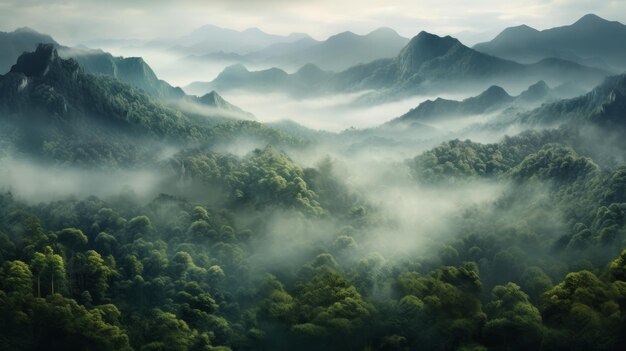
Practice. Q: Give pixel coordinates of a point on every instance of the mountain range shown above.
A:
(492, 100)
(605, 105)
(211, 38)
(591, 41)
(427, 63)
(307, 81)
(336, 53)
(52, 108)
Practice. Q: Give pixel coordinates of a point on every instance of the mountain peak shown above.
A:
(517, 34)
(215, 100)
(235, 69)
(341, 36)
(494, 94)
(212, 99)
(519, 30)
(383, 32)
(427, 40)
(310, 68)
(206, 28)
(253, 30)
(540, 85)
(36, 63)
(590, 19)
(424, 47)
(494, 90)
(25, 30)
(310, 72)
(535, 92)
(298, 36)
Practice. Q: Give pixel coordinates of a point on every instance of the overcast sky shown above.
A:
(72, 21)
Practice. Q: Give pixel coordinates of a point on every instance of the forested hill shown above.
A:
(605, 105)
(42, 83)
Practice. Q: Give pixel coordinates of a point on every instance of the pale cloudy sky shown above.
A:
(73, 21)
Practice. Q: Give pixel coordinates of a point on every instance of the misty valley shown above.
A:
(363, 192)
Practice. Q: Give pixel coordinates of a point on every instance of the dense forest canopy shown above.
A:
(540, 267)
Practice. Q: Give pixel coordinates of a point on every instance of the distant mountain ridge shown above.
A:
(426, 61)
(439, 108)
(337, 53)
(491, 100)
(592, 41)
(209, 37)
(605, 105)
(308, 80)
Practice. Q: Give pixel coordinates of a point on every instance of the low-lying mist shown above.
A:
(33, 182)
(406, 219)
(331, 113)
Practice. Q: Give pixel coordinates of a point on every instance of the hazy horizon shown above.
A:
(74, 23)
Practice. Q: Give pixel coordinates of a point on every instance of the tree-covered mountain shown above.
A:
(591, 41)
(13, 44)
(492, 100)
(337, 53)
(214, 99)
(63, 113)
(426, 62)
(131, 70)
(605, 105)
(42, 81)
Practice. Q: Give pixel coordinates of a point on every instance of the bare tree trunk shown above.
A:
(52, 284)
(38, 285)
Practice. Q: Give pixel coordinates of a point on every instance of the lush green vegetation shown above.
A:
(541, 268)
(98, 121)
